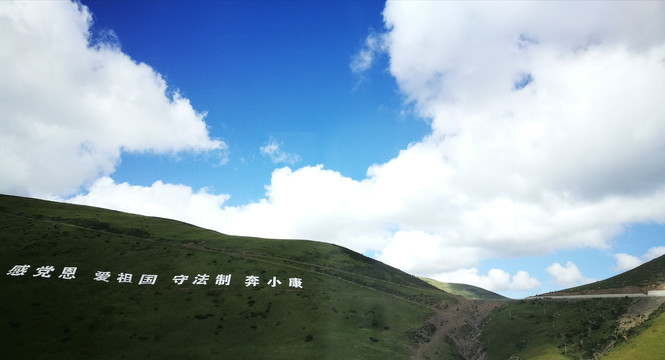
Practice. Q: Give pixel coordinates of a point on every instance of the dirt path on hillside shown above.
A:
(458, 325)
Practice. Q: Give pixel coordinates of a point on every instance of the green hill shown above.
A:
(648, 276)
(313, 300)
(588, 328)
(467, 291)
(553, 329)
(646, 343)
(199, 294)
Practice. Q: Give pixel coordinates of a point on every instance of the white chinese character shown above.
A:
(201, 279)
(147, 279)
(44, 271)
(274, 282)
(295, 282)
(223, 279)
(251, 280)
(18, 270)
(124, 278)
(179, 279)
(102, 276)
(68, 273)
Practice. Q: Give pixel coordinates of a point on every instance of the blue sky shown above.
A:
(265, 71)
(468, 142)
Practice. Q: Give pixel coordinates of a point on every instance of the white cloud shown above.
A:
(567, 276)
(626, 261)
(292, 207)
(69, 107)
(523, 281)
(495, 280)
(363, 60)
(420, 252)
(510, 168)
(276, 154)
(162, 200)
(653, 253)
(562, 163)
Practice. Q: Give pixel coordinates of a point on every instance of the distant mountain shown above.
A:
(467, 291)
(646, 277)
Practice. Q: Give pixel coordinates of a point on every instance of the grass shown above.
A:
(547, 329)
(350, 306)
(648, 276)
(646, 343)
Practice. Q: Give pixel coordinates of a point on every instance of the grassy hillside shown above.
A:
(553, 329)
(647, 342)
(614, 328)
(467, 291)
(349, 306)
(648, 276)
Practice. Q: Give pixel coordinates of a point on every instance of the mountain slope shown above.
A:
(648, 276)
(348, 306)
(583, 328)
(646, 344)
(468, 291)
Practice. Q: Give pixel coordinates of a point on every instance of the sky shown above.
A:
(516, 146)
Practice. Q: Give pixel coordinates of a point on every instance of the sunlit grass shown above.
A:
(648, 344)
(468, 291)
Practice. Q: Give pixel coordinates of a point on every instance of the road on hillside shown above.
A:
(594, 296)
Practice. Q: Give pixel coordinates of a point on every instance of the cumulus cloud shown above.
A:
(70, 106)
(162, 200)
(273, 150)
(653, 253)
(626, 262)
(495, 280)
(567, 276)
(291, 209)
(543, 137)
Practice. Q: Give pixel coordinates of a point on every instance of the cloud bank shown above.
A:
(543, 137)
(70, 106)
